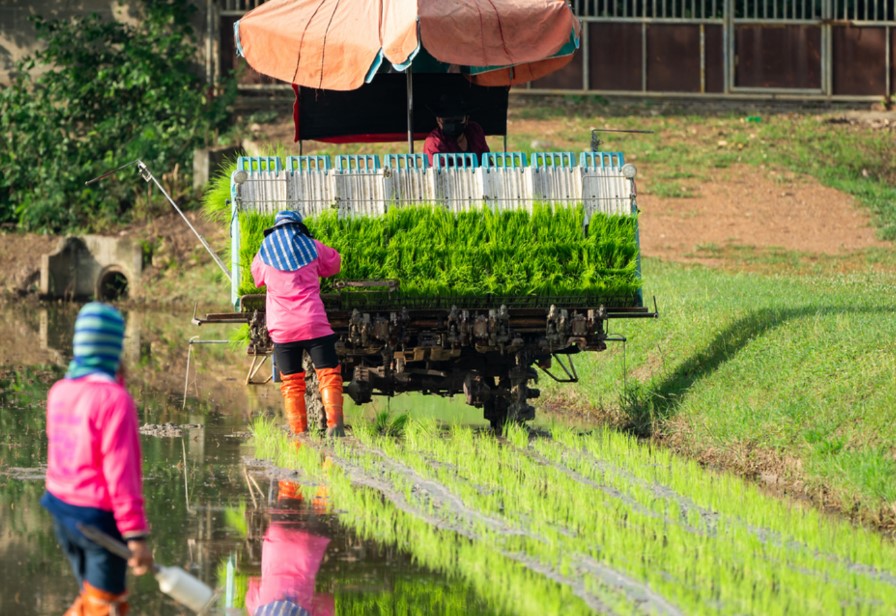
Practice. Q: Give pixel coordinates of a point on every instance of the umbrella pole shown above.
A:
(410, 84)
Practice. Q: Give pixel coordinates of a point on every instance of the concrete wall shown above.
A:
(17, 35)
(78, 266)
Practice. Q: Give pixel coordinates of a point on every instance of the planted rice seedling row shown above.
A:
(594, 582)
(509, 586)
(753, 555)
(809, 545)
(431, 502)
(581, 549)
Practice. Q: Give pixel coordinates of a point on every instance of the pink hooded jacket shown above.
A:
(94, 449)
(294, 308)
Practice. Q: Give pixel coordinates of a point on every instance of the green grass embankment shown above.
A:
(785, 378)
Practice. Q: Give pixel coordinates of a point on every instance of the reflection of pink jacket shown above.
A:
(290, 559)
(94, 449)
(293, 305)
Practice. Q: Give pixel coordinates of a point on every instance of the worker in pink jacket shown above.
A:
(290, 264)
(93, 464)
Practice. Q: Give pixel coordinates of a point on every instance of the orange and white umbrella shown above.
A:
(342, 44)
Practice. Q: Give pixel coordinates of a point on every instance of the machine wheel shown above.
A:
(495, 411)
(512, 407)
(317, 417)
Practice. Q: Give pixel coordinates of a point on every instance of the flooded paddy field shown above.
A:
(214, 510)
(444, 519)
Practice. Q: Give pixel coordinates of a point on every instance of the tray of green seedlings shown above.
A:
(474, 259)
(593, 522)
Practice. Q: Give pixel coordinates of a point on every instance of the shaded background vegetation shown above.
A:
(113, 93)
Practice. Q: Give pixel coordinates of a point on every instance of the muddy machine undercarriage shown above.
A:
(492, 356)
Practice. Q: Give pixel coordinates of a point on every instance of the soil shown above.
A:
(175, 253)
(745, 206)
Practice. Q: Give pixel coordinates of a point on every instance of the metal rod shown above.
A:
(183, 446)
(586, 54)
(702, 58)
(147, 175)
(187, 375)
(194, 340)
(110, 172)
(644, 56)
(410, 89)
(251, 491)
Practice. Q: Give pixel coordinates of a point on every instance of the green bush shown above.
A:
(111, 93)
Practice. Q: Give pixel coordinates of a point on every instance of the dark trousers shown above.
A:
(91, 563)
(288, 356)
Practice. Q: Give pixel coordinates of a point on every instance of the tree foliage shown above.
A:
(108, 93)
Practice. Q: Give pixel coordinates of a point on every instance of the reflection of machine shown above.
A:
(488, 348)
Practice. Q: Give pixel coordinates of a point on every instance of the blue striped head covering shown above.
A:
(98, 341)
(285, 246)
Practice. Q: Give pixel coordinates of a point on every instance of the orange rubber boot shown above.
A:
(288, 490)
(96, 602)
(330, 382)
(76, 608)
(292, 388)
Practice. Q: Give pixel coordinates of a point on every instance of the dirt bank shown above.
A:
(178, 271)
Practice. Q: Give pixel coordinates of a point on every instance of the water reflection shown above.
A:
(297, 556)
(197, 485)
(291, 556)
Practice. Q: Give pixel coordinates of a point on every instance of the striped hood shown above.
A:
(98, 341)
(286, 245)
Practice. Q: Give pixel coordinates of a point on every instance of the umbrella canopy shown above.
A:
(342, 44)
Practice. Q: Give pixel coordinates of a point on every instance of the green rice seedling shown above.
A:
(516, 434)
(235, 519)
(217, 196)
(504, 580)
(434, 253)
(240, 583)
(410, 596)
(599, 506)
(386, 425)
(239, 337)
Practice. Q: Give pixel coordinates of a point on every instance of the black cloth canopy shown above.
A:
(378, 111)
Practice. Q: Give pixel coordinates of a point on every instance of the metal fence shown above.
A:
(238, 7)
(869, 11)
(649, 9)
(767, 10)
(804, 49)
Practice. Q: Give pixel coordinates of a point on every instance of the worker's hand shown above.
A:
(141, 556)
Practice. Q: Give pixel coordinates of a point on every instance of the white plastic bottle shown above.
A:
(184, 588)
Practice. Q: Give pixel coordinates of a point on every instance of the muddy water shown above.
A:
(214, 511)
